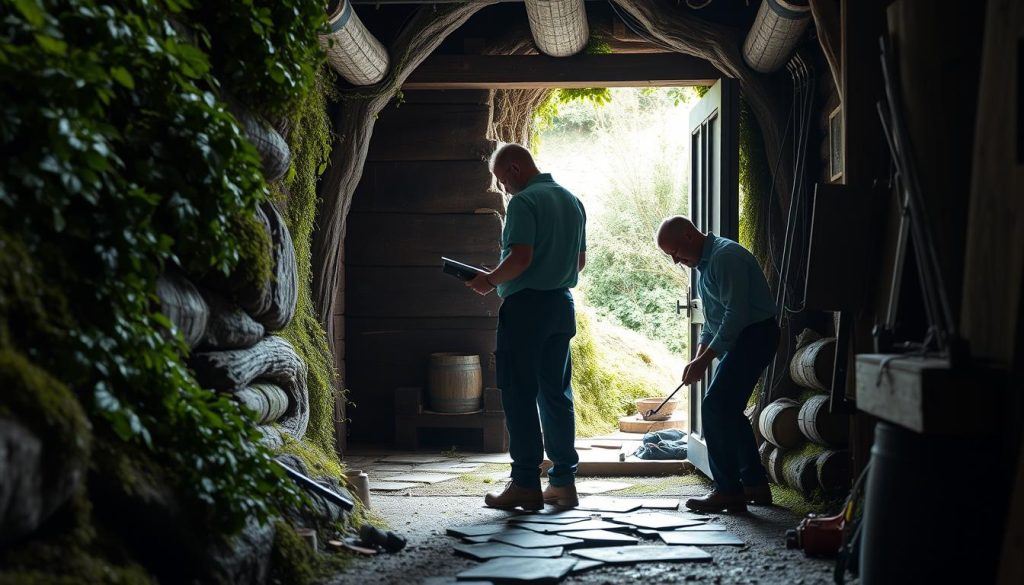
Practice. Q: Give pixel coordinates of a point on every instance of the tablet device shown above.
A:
(460, 270)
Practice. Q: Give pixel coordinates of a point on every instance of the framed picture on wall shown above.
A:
(835, 145)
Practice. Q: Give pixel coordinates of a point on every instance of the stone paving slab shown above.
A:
(450, 467)
(597, 486)
(390, 486)
(424, 477)
(412, 458)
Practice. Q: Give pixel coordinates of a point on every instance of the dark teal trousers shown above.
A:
(534, 371)
(732, 453)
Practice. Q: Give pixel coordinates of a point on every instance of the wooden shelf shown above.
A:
(926, 396)
(411, 418)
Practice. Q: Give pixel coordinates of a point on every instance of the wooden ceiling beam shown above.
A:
(539, 71)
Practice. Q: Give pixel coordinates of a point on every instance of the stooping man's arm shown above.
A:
(734, 287)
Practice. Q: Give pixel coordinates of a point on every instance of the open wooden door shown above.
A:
(714, 206)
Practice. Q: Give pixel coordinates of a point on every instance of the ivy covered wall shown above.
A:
(123, 161)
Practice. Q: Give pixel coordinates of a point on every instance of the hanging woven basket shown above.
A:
(351, 50)
(559, 27)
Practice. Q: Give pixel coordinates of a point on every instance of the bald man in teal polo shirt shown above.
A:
(543, 249)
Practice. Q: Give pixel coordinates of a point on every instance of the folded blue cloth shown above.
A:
(666, 444)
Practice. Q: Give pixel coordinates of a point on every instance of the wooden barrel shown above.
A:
(456, 383)
(821, 426)
(778, 423)
(774, 466)
(801, 472)
(834, 471)
(812, 364)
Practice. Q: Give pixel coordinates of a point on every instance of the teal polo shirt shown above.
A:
(548, 217)
(734, 290)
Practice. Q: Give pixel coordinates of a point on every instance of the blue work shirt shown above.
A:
(551, 219)
(734, 290)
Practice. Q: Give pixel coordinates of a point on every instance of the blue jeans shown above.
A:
(534, 371)
(732, 452)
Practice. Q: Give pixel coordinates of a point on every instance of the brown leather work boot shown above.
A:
(759, 495)
(716, 502)
(561, 496)
(514, 496)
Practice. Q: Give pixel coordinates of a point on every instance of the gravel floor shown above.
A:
(422, 519)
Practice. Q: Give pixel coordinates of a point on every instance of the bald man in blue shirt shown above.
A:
(740, 330)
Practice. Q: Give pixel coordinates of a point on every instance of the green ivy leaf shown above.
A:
(51, 45)
(31, 11)
(121, 75)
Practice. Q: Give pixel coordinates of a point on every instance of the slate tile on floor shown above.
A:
(602, 538)
(515, 570)
(527, 539)
(593, 524)
(609, 505)
(656, 520)
(642, 554)
(707, 527)
(585, 565)
(490, 537)
(660, 504)
(541, 519)
(476, 529)
(703, 538)
(553, 517)
(494, 550)
(697, 528)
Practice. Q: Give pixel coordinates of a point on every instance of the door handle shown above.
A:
(695, 311)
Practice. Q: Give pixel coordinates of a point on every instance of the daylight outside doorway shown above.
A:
(625, 153)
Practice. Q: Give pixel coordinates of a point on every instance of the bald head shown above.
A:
(513, 165)
(680, 239)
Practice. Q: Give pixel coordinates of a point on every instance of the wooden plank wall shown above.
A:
(425, 192)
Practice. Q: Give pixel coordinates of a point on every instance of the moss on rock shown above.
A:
(292, 562)
(46, 406)
(255, 265)
(310, 143)
(70, 552)
(755, 186)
